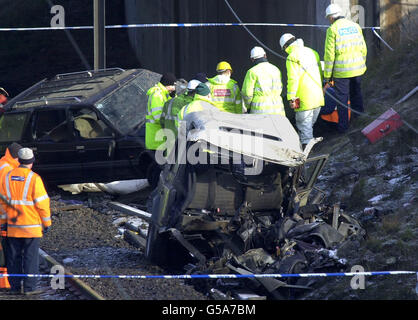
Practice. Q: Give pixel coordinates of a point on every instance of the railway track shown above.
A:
(73, 289)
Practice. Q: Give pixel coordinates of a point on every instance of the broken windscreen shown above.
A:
(126, 107)
(12, 126)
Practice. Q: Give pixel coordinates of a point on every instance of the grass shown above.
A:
(374, 244)
(391, 224)
(407, 235)
(358, 198)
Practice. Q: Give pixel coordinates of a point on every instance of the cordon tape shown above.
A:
(218, 276)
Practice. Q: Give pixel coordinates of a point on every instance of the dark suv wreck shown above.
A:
(248, 206)
(84, 126)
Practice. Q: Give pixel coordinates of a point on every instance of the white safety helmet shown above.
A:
(333, 10)
(257, 52)
(285, 38)
(192, 84)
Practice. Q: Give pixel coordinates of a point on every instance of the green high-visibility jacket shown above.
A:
(157, 96)
(345, 50)
(194, 106)
(225, 95)
(262, 89)
(171, 109)
(304, 79)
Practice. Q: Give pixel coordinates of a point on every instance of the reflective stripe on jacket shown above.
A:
(194, 106)
(262, 90)
(26, 193)
(345, 50)
(304, 77)
(157, 96)
(171, 109)
(226, 96)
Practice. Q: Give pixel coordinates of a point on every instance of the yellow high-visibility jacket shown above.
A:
(225, 95)
(262, 89)
(194, 106)
(345, 50)
(304, 79)
(157, 96)
(30, 208)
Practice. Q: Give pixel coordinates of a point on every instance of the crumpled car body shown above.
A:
(84, 126)
(243, 209)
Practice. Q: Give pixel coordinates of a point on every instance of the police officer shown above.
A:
(28, 217)
(262, 86)
(344, 62)
(225, 91)
(157, 96)
(304, 90)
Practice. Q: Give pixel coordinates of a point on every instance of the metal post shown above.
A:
(99, 35)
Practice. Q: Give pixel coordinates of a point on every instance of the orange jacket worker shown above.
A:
(27, 218)
(8, 162)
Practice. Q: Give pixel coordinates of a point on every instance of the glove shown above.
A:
(46, 229)
(294, 103)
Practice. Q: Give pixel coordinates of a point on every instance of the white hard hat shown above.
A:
(333, 10)
(193, 84)
(285, 38)
(25, 156)
(257, 52)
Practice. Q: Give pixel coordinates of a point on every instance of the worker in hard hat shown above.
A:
(344, 62)
(157, 96)
(262, 87)
(28, 218)
(304, 84)
(173, 106)
(225, 92)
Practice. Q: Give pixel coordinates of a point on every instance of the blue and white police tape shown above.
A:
(217, 276)
(175, 25)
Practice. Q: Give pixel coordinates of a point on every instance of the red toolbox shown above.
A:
(382, 126)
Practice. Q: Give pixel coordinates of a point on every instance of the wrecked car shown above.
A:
(238, 197)
(84, 126)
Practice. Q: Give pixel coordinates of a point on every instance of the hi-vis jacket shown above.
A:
(262, 89)
(225, 95)
(7, 163)
(30, 203)
(304, 79)
(157, 96)
(194, 106)
(345, 50)
(171, 109)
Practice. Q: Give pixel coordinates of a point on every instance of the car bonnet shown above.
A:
(267, 137)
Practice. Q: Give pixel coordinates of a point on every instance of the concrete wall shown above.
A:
(186, 51)
(399, 20)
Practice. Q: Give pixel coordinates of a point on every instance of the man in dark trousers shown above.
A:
(8, 162)
(28, 217)
(344, 62)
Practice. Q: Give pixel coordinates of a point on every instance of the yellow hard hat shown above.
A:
(223, 65)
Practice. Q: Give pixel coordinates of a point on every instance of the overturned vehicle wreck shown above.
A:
(248, 206)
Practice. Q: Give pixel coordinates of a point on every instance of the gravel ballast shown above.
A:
(86, 241)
